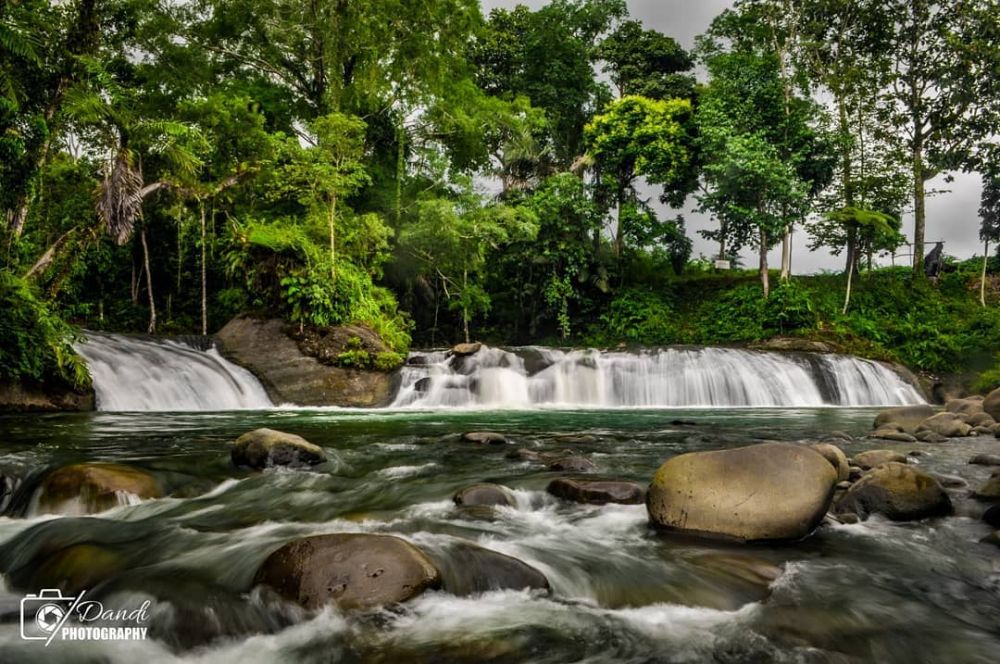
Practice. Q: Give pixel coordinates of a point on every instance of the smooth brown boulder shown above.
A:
(597, 492)
(990, 489)
(94, 487)
(262, 448)
(907, 417)
(772, 491)
(573, 464)
(872, 458)
(354, 570)
(950, 425)
(484, 495)
(485, 438)
(894, 435)
(964, 406)
(836, 457)
(980, 419)
(896, 491)
(991, 404)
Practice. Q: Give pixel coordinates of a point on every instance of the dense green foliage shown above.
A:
(435, 174)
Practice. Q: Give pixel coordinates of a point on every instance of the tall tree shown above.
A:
(646, 63)
(763, 163)
(943, 91)
(989, 229)
(547, 56)
(637, 137)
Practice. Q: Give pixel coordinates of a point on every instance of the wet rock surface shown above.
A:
(597, 492)
(355, 571)
(263, 448)
(771, 491)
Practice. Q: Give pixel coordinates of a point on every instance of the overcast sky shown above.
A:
(952, 216)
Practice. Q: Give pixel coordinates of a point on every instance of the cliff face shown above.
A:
(289, 375)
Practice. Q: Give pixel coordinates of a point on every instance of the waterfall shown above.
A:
(133, 374)
(666, 378)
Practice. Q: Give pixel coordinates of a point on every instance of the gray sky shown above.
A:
(952, 216)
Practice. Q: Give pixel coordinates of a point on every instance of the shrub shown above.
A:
(35, 344)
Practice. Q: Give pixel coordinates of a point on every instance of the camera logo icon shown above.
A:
(43, 614)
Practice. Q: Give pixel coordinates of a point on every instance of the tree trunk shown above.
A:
(982, 281)
(619, 231)
(919, 209)
(465, 307)
(333, 239)
(849, 270)
(204, 272)
(765, 279)
(149, 283)
(786, 254)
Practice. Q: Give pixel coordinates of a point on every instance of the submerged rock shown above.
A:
(906, 418)
(990, 489)
(75, 568)
(484, 495)
(896, 491)
(86, 488)
(262, 448)
(992, 516)
(573, 464)
(836, 457)
(950, 481)
(950, 425)
(927, 436)
(985, 460)
(485, 438)
(467, 569)
(597, 492)
(354, 570)
(772, 491)
(524, 454)
(871, 458)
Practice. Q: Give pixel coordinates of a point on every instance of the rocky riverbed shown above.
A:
(396, 536)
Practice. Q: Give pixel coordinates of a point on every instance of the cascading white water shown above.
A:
(668, 377)
(132, 374)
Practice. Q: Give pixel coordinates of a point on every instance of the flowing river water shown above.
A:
(876, 591)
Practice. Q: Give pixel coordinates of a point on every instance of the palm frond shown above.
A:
(119, 198)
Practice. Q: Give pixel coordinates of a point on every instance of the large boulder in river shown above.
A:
(991, 404)
(86, 488)
(896, 491)
(354, 570)
(485, 438)
(290, 374)
(836, 457)
(872, 458)
(906, 418)
(263, 448)
(597, 492)
(772, 491)
(949, 425)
